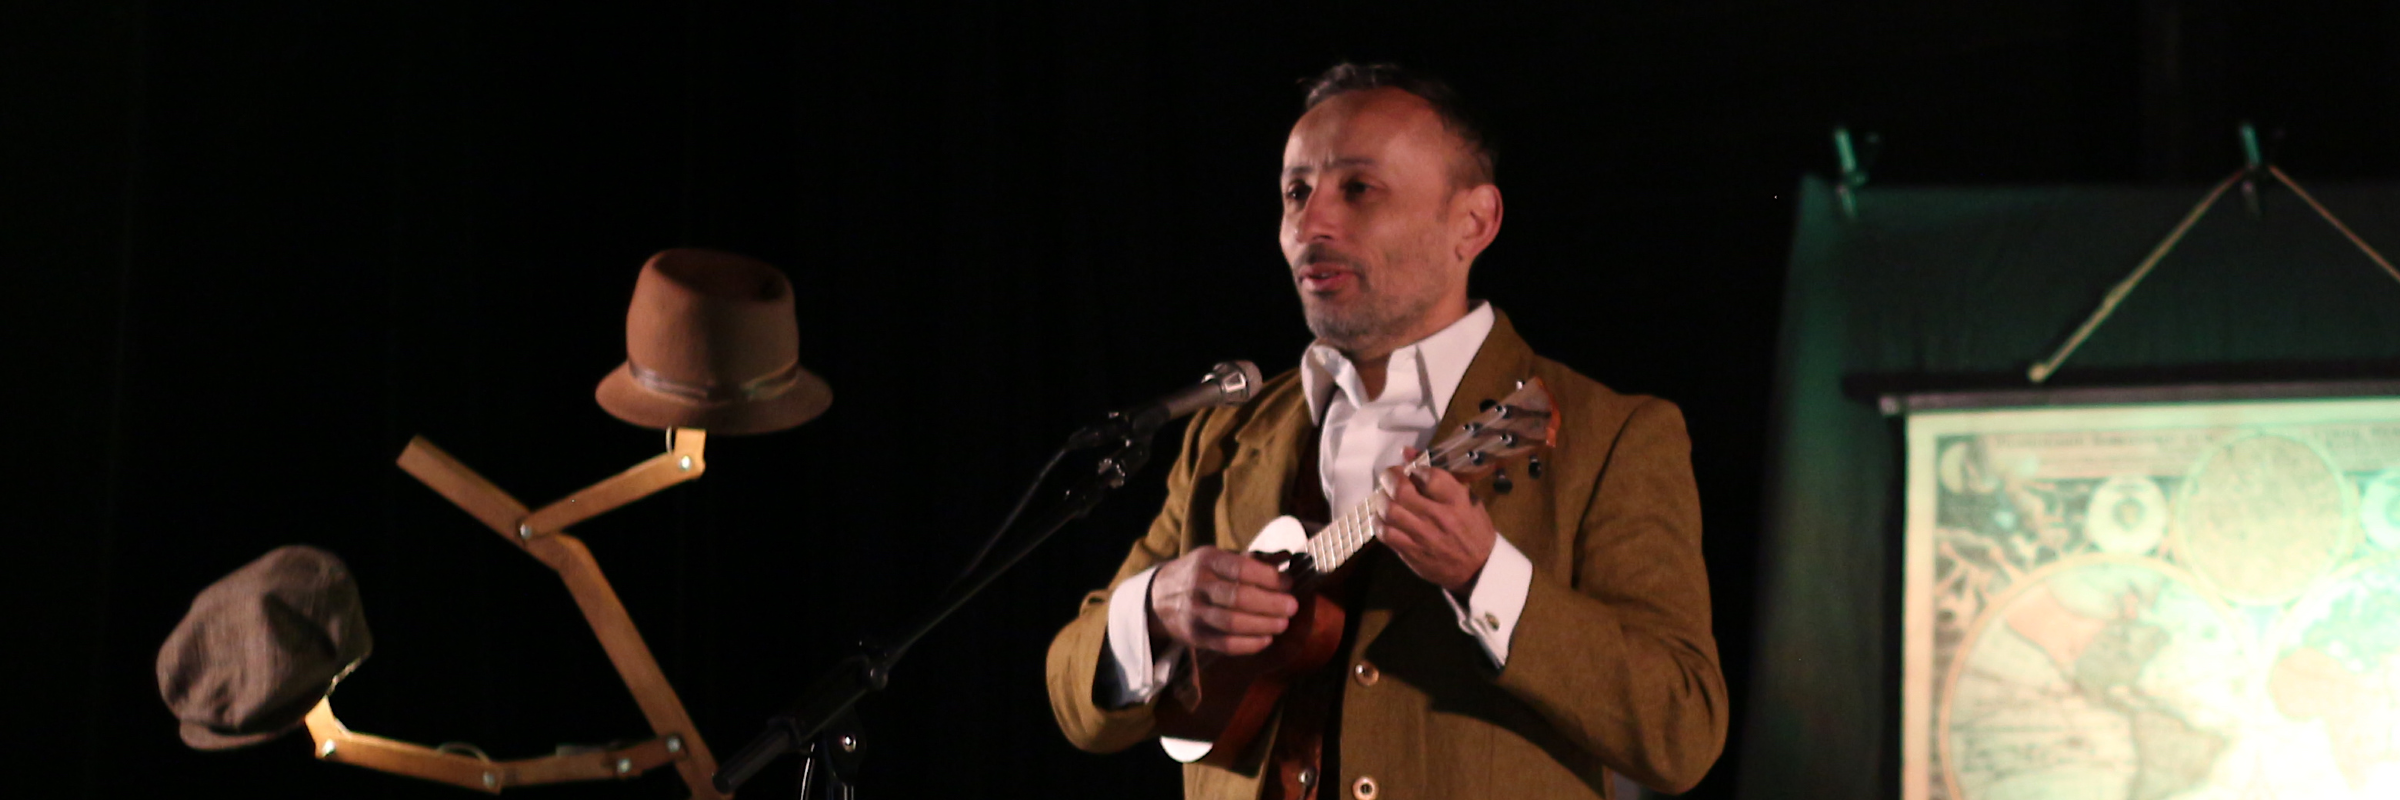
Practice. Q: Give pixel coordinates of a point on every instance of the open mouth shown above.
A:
(1326, 276)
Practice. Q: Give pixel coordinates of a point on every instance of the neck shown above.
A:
(1371, 360)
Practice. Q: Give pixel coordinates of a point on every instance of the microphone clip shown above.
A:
(1230, 383)
(1118, 428)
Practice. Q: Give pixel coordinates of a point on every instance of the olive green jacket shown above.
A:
(1612, 665)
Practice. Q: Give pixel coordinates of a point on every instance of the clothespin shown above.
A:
(2254, 169)
(1854, 163)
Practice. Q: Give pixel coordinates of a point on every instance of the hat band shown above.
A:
(774, 383)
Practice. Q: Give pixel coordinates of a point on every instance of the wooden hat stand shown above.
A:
(542, 534)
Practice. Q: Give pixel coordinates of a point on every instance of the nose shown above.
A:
(1318, 219)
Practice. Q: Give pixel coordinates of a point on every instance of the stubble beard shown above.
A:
(1375, 314)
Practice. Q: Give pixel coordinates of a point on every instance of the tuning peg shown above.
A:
(1486, 405)
(1501, 483)
(1508, 438)
(1520, 384)
(1475, 457)
(1533, 468)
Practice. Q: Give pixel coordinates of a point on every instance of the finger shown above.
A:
(1271, 599)
(1410, 453)
(1238, 568)
(1253, 572)
(1232, 645)
(1418, 503)
(1442, 487)
(1227, 621)
(1430, 517)
(1401, 542)
(1265, 602)
(1399, 484)
(1409, 548)
(1410, 526)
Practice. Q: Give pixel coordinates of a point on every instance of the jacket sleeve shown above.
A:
(1075, 653)
(1621, 659)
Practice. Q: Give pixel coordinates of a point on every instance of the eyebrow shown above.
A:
(1353, 161)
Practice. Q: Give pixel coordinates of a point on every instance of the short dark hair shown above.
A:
(1347, 77)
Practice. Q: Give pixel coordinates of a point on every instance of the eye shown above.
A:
(1354, 187)
(1296, 193)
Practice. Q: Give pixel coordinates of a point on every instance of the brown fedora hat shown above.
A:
(261, 646)
(711, 343)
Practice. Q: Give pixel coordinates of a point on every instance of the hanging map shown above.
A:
(2142, 602)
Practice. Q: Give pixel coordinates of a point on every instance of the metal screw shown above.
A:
(325, 750)
(849, 744)
(684, 462)
(674, 744)
(491, 781)
(524, 532)
(624, 765)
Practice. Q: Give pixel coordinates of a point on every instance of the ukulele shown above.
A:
(1225, 701)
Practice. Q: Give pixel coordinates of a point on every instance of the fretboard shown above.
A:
(1339, 541)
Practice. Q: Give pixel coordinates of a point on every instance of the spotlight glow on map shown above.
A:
(2145, 602)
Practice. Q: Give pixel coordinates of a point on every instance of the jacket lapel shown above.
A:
(1260, 471)
(1503, 360)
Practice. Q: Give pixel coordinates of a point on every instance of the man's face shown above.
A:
(1367, 213)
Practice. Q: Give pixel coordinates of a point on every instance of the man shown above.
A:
(1502, 644)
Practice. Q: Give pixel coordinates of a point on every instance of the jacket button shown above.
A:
(1364, 789)
(1366, 674)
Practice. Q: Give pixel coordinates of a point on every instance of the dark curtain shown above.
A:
(1962, 288)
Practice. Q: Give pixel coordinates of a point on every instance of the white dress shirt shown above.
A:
(1359, 438)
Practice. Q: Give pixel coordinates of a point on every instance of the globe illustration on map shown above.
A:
(2379, 509)
(2335, 687)
(2262, 517)
(2100, 677)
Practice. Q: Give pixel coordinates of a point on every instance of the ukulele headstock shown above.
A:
(1524, 421)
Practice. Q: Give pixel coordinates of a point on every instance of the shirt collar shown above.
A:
(1436, 363)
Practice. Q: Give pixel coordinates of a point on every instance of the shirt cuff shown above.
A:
(1491, 611)
(1139, 676)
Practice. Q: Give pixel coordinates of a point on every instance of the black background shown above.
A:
(252, 248)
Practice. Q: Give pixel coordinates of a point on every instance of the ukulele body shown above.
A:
(1214, 712)
(1226, 701)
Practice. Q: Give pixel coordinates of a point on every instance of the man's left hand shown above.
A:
(1437, 527)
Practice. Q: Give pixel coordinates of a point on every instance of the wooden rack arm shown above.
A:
(628, 652)
(462, 486)
(542, 535)
(336, 742)
(681, 463)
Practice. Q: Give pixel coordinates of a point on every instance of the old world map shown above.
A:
(2147, 603)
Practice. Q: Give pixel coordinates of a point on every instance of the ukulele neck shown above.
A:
(1341, 540)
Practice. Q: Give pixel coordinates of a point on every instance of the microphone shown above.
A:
(1231, 383)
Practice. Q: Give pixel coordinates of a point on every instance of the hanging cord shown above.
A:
(2363, 247)
(2042, 370)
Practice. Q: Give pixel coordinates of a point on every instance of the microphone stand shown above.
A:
(822, 726)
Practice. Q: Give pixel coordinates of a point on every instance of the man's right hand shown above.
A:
(1220, 601)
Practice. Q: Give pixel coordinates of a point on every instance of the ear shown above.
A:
(1474, 221)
